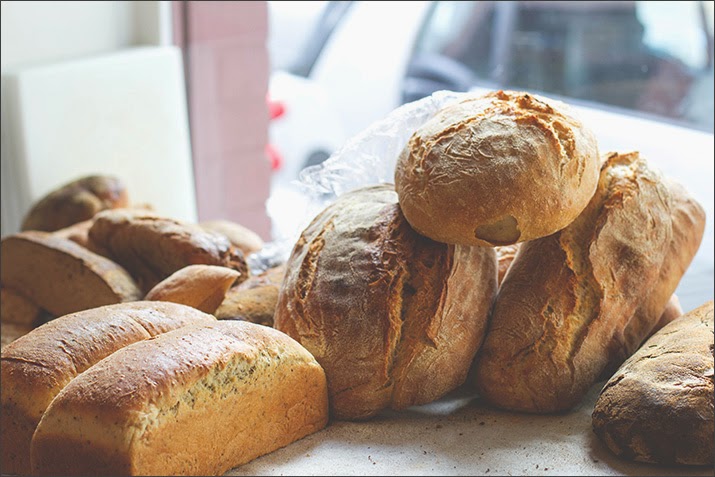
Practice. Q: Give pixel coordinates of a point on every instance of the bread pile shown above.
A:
(509, 255)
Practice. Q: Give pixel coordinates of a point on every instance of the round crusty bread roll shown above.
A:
(393, 317)
(497, 169)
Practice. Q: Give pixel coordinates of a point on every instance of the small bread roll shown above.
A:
(497, 169)
(200, 286)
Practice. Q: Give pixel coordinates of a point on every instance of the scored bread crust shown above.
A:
(61, 276)
(497, 169)
(393, 317)
(152, 247)
(38, 365)
(658, 406)
(196, 401)
(565, 310)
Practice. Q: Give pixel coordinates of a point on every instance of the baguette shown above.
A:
(658, 406)
(200, 286)
(578, 301)
(393, 317)
(195, 401)
(61, 276)
(38, 365)
(152, 247)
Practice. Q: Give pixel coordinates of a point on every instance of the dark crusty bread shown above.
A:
(61, 276)
(240, 237)
(153, 247)
(38, 365)
(579, 301)
(255, 299)
(75, 202)
(195, 401)
(658, 406)
(200, 286)
(497, 169)
(393, 317)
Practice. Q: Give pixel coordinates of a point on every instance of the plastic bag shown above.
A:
(366, 159)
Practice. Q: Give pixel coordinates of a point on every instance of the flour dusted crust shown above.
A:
(393, 317)
(575, 304)
(37, 366)
(658, 406)
(196, 401)
(497, 169)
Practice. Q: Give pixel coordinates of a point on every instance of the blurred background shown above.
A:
(212, 109)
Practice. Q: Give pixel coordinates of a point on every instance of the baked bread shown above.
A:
(497, 169)
(75, 202)
(243, 238)
(393, 317)
(658, 406)
(61, 276)
(38, 365)
(195, 401)
(200, 286)
(255, 299)
(17, 308)
(153, 247)
(575, 303)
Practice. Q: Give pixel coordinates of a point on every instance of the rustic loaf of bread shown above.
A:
(240, 237)
(393, 317)
(61, 276)
(38, 365)
(255, 299)
(153, 247)
(75, 202)
(195, 401)
(658, 406)
(497, 169)
(581, 300)
(200, 286)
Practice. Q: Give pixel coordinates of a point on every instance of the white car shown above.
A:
(637, 87)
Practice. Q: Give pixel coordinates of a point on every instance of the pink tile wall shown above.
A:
(227, 80)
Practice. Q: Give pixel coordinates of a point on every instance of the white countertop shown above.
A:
(458, 435)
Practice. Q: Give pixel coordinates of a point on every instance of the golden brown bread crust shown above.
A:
(393, 317)
(152, 247)
(255, 299)
(658, 406)
(497, 169)
(571, 304)
(200, 286)
(17, 308)
(38, 365)
(75, 202)
(61, 276)
(196, 401)
(240, 237)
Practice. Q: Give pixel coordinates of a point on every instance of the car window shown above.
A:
(333, 12)
(650, 57)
